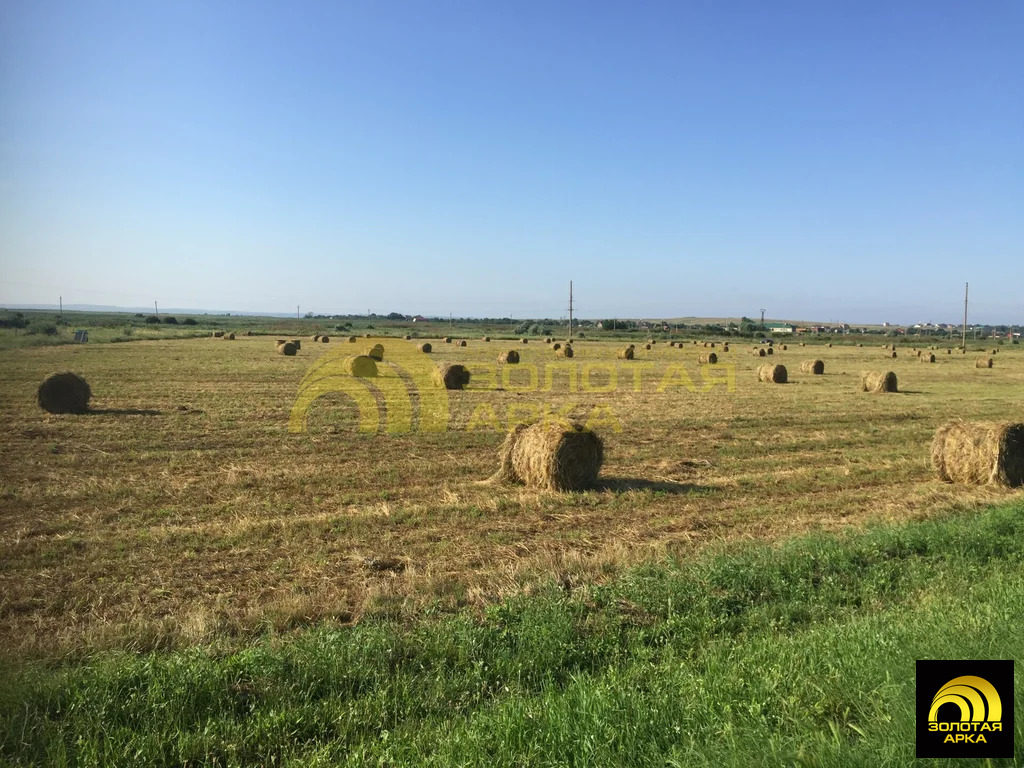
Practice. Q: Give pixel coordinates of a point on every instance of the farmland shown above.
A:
(183, 511)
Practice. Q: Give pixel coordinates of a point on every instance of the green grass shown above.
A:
(799, 654)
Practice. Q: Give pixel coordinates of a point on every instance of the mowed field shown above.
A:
(183, 509)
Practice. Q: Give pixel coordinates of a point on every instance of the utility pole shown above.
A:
(296, 311)
(570, 311)
(451, 323)
(61, 299)
(156, 310)
(762, 318)
(963, 340)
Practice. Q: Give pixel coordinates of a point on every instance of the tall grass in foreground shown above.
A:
(795, 655)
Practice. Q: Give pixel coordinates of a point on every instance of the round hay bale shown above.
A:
(816, 367)
(772, 374)
(983, 362)
(548, 340)
(487, 338)
(725, 347)
(408, 337)
(228, 337)
(859, 344)
(770, 351)
(287, 348)
(297, 343)
(460, 343)
(376, 352)
(784, 347)
(626, 354)
(949, 351)
(424, 347)
(710, 358)
(919, 353)
(803, 343)
(324, 339)
(451, 376)
(64, 393)
(511, 356)
(366, 335)
(525, 341)
(556, 346)
(877, 381)
(830, 345)
(316, 337)
(963, 351)
(711, 345)
(995, 351)
(218, 334)
(647, 346)
(249, 333)
(891, 354)
(361, 366)
(565, 351)
(979, 453)
(759, 352)
(351, 339)
(929, 358)
(551, 455)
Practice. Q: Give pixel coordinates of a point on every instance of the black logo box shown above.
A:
(932, 676)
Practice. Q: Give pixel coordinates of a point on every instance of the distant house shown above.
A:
(779, 327)
(419, 319)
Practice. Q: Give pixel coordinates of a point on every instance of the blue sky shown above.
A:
(830, 161)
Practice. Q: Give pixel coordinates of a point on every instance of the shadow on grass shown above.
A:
(623, 484)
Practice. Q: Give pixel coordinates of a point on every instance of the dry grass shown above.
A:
(182, 509)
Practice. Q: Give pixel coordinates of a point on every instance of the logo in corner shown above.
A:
(965, 709)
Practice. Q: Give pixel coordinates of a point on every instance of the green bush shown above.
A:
(169, 320)
(189, 321)
(153, 320)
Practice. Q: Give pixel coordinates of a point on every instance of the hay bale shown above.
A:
(324, 339)
(297, 343)
(770, 351)
(949, 351)
(626, 354)
(548, 340)
(287, 348)
(556, 346)
(877, 381)
(64, 393)
(995, 351)
(803, 343)
(361, 366)
(816, 367)
(525, 341)
(218, 334)
(551, 455)
(725, 347)
(424, 347)
(710, 358)
(979, 453)
(408, 337)
(228, 337)
(565, 351)
(511, 356)
(366, 335)
(249, 333)
(891, 354)
(376, 352)
(919, 353)
(487, 338)
(983, 362)
(317, 337)
(647, 346)
(929, 358)
(784, 347)
(351, 339)
(451, 376)
(830, 345)
(759, 352)
(772, 374)
(460, 343)
(447, 339)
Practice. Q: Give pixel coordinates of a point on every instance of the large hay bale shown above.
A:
(408, 337)
(556, 346)
(287, 348)
(803, 343)
(770, 351)
(487, 338)
(759, 352)
(324, 339)
(451, 376)
(228, 337)
(424, 347)
(447, 339)
(511, 356)
(316, 337)
(548, 340)
(647, 346)
(784, 347)
(249, 333)
(995, 351)
(816, 367)
(297, 343)
(878, 381)
(891, 354)
(979, 453)
(218, 334)
(929, 358)
(565, 351)
(460, 343)
(830, 345)
(983, 362)
(361, 366)
(352, 339)
(949, 350)
(366, 335)
(725, 347)
(710, 358)
(551, 455)
(626, 354)
(64, 393)
(772, 374)
(376, 352)
(525, 340)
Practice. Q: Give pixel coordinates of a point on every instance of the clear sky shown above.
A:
(850, 161)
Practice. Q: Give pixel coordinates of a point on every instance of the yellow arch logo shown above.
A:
(403, 388)
(976, 697)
